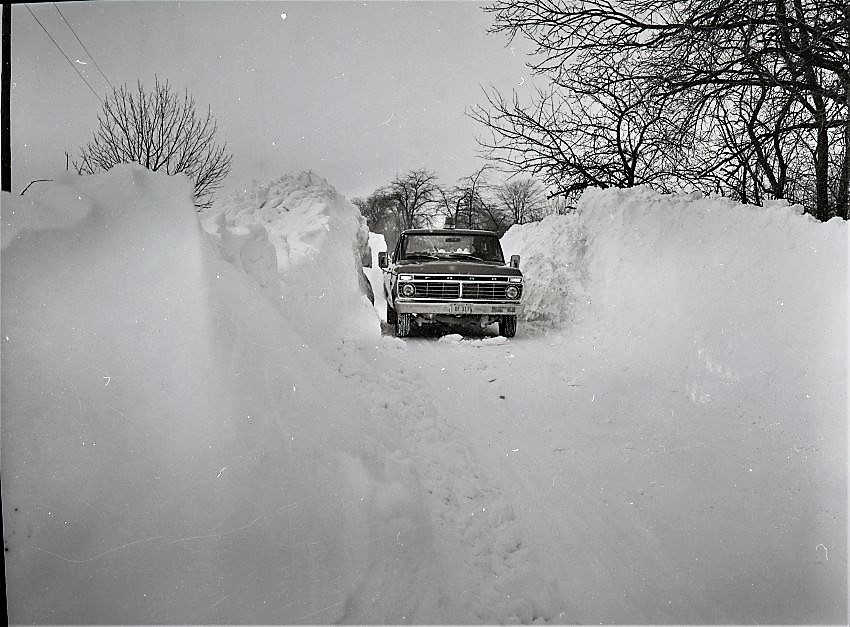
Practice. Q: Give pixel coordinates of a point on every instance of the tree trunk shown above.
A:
(822, 169)
(842, 201)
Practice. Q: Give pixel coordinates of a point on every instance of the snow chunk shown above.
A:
(498, 340)
(458, 339)
(249, 249)
(321, 242)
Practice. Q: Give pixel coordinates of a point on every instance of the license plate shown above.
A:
(460, 309)
(507, 310)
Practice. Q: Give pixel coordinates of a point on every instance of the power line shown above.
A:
(91, 56)
(58, 47)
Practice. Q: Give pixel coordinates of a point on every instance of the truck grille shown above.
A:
(437, 290)
(463, 290)
(484, 291)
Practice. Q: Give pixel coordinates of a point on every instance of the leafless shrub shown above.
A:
(159, 130)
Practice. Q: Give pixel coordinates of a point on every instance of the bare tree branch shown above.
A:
(749, 97)
(159, 131)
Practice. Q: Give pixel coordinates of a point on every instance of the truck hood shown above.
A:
(456, 267)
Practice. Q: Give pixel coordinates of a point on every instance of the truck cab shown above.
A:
(451, 275)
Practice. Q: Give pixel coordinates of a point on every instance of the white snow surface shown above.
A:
(173, 449)
(211, 425)
(315, 236)
(702, 368)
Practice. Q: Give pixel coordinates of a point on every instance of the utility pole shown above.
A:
(6, 108)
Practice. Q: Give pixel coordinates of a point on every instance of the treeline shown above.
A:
(418, 199)
(749, 99)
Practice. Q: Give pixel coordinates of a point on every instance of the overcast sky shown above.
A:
(355, 91)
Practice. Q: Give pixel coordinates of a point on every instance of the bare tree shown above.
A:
(559, 206)
(471, 204)
(523, 200)
(161, 131)
(747, 155)
(596, 126)
(758, 92)
(468, 199)
(378, 209)
(416, 196)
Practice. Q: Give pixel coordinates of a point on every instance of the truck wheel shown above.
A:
(403, 323)
(507, 326)
(391, 315)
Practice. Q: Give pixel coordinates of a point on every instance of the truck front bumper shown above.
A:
(462, 309)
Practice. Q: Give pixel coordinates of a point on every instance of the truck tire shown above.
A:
(403, 324)
(507, 326)
(391, 315)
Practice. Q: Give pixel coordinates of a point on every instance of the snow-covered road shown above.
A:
(213, 426)
(575, 485)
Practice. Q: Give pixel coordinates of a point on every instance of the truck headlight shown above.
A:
(511, 291)
(408, 290)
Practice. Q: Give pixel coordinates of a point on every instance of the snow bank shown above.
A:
(377, 244)
(551, 253)
(707, 341)
(170, 451)
(375, 275)
(733, 296)
(761, 288)
(320, 242)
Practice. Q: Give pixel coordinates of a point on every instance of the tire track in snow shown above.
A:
(609, 563)
(488, 567)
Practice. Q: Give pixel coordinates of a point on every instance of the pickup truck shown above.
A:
(450, 275)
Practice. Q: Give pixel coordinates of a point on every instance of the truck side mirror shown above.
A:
(514, 261)
(382, 260)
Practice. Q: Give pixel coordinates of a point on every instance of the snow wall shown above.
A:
(736, 306)
(170, 449)
(320, 241)
(699, 281)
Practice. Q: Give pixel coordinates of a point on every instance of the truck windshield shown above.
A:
(451, 246)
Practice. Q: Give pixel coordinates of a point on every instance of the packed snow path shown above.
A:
(567, 487)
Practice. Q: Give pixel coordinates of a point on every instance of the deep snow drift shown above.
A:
(173, 449)
(740, 297)
(204, 424)
(319, 241)
(729, 285)
(703, 375)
